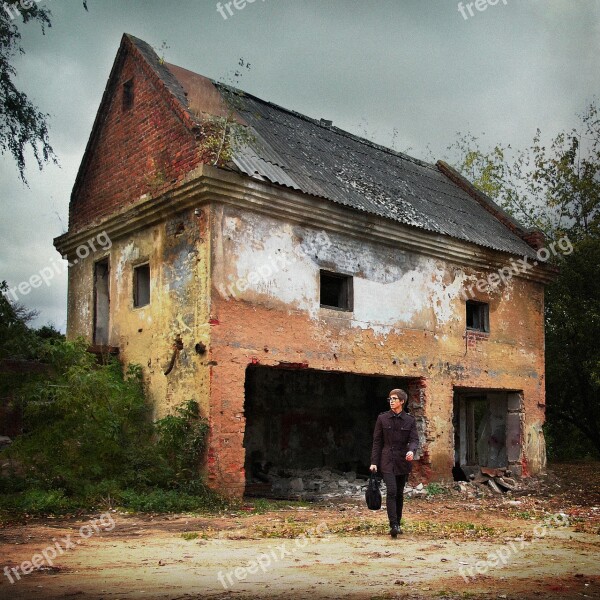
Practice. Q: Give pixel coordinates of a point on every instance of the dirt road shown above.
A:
(544, 545)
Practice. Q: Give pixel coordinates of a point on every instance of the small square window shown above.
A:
(141, 285)
(128, 94)
(478, 316)
(336, 291)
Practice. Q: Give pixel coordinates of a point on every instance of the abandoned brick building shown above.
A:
(287, 274)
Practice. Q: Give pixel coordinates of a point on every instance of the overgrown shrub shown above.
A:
(89, 440)
(182, 439)
(84, 423)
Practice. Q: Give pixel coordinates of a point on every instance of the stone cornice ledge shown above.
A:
(208, 184)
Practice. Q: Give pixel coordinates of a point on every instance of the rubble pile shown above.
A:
(498, 481)
(326, 484)
(319, 484)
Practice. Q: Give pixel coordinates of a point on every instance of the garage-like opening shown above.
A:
(307, 430)
(487, 431)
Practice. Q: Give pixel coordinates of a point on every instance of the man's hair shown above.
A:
(400, 393)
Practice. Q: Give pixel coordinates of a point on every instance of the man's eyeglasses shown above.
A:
(393, 399)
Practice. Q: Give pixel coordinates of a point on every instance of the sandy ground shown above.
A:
(454, 546)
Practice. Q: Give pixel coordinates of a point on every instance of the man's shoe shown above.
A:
(394, 531)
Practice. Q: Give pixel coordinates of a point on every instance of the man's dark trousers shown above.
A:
(394, 496)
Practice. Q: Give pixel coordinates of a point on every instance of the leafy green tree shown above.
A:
(84, 422)
(87, 428)
(88, 433)
(22, 124)
(572, 348)
(554, 187)
(489, 171)
(17, 341)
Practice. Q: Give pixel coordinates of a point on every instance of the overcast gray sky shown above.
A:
(417, 66)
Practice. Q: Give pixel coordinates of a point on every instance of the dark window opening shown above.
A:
(101, 302)
(141, 285)
(478, 316)
(336, 291)
(128, 94)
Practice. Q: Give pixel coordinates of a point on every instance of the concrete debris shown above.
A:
(494, 486)
(506, 482)
(327, 484)
(320, 484)
(296, 484)
(498, 480)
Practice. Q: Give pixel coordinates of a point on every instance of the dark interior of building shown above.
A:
(306, 419)
(481, 428)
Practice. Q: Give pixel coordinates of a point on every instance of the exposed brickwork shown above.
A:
(145, 149)
(474, 337)
(243, 333)
(417, 398)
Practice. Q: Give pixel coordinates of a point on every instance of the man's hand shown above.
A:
(374, 468)
(409, 456)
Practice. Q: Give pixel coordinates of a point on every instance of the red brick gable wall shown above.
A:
(144, 149)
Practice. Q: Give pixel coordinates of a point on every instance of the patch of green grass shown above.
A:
(449, 529)
(290, 528)
(435, 489)
(263, 505)
(36, 502)
(189, 535)
(525, 514)
(170, 501)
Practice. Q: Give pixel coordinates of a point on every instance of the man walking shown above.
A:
(395, 442)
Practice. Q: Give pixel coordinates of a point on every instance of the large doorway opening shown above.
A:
(487, 430)
(311, 428)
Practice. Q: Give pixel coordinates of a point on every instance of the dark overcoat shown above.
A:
(394, 436)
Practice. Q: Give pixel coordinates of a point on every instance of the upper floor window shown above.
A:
(128, 94)
(141, 285)
(336, 291)
(478, 316)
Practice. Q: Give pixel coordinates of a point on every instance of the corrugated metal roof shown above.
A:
(293, 150)
(331, 163)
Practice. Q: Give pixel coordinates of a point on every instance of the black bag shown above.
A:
(373, 493)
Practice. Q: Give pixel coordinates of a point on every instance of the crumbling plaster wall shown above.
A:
(408, 321)
(177, 251)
